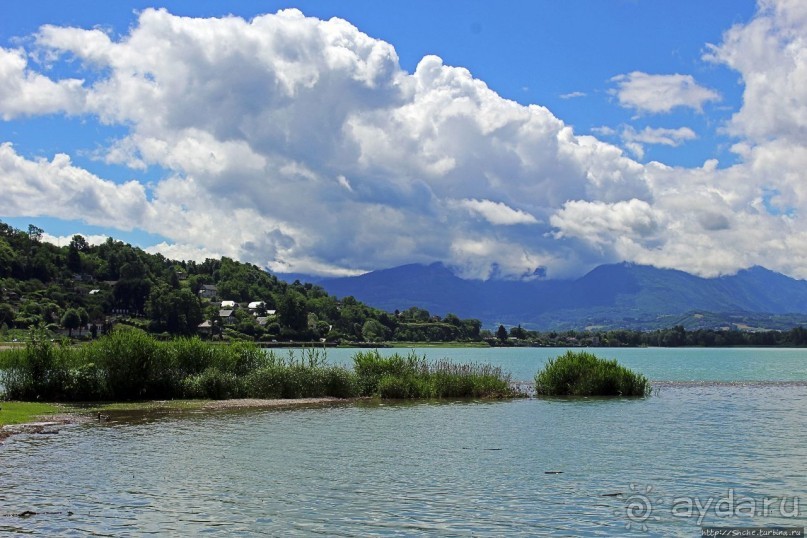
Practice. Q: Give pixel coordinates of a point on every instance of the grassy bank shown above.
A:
(584, 374)
(24, 412)
(129, 365)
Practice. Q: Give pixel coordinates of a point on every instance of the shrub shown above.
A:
(133, 363)
(85, 384)
(396, 387)
(191, 356)
(237, 358)
(340, 382)
(213, 384)
(38, 372)
(370, 367)
(584, 374)
(413, 377)
(266, 382)
(451, 380)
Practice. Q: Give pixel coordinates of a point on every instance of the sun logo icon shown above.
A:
(638, 509)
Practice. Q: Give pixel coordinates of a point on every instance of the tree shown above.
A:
(8, 259)
(417, 314)
(6, 314)
(132, 294)
(79, 243)
(84, 319)
(291, 311)
(472, 328)
(501, 333)
(373, 331)
(134, 270)
(35, 233)
(71, 320)
(518, 332)
(73, 259)
(174, 311)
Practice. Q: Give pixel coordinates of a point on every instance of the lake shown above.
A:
(722, 442)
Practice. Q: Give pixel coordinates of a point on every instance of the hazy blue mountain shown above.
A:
(618, 295)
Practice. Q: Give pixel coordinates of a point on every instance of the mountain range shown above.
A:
(623, 295)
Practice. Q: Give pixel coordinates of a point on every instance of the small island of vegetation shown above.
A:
(579, 373)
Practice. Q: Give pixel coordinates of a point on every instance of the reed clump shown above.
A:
(580, 373)
(412, 376)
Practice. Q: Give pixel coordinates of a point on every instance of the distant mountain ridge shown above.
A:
(622, 295)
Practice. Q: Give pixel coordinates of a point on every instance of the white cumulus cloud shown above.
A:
(656, 94)
(23, 92)
(770, 53)
(635, 140)
(57, 188)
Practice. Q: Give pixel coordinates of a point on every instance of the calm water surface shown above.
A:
(658, 364)
(724, 438)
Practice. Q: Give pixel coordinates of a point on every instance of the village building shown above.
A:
(208, 291)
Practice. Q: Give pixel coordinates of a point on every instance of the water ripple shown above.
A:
(460, 468)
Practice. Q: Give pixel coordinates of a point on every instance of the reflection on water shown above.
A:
(458, 468)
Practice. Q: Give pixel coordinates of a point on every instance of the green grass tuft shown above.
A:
(584, 374)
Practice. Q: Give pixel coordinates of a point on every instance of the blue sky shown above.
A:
(530, 52)
(548, 135)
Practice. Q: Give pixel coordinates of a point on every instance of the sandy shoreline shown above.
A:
(256, 403)
(52, 424)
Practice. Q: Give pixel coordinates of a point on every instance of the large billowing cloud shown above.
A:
(302, 145)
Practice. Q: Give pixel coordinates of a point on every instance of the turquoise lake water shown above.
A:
(722, 442)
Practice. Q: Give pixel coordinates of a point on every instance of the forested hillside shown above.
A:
(84, 289)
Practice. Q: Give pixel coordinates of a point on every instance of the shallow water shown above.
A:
(658, 364)
(728, 446)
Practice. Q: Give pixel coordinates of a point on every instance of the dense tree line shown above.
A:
(78, 284)
(673, 337)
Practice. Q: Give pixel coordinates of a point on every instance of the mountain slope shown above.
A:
(618, 295)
